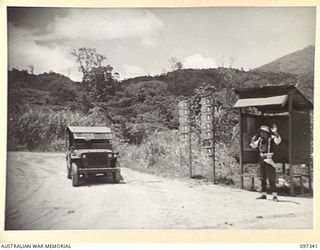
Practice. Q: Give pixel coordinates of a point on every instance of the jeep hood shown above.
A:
(81, 151)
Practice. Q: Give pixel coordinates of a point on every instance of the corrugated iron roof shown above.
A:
(299, 101)
(261, 101)
(74, 129)
(265, 90)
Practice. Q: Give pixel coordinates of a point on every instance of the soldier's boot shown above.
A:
(263, 196)
(274, 197)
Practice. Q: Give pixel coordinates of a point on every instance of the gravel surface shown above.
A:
(40, 197)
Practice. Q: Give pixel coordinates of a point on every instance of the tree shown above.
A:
(31, 67)
(97, 79)
(86, 105)
(116, 76)
(101, 82)
(175, 66)
(87, 58)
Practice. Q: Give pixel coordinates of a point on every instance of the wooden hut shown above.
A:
(289, 109)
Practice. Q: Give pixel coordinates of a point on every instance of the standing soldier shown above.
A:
(264, 141)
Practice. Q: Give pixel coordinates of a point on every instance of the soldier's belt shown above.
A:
(266, 155)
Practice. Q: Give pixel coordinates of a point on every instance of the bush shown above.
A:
(160, 153)
(43, 129)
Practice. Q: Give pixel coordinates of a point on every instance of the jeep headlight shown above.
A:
(74, 152)
(84, 156)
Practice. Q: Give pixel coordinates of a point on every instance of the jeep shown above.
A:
(90, 154)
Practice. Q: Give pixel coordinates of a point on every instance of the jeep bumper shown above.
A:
(96, 170)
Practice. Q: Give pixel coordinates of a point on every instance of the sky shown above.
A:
(140, 41)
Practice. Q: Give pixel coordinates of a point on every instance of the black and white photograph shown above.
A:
(151, 118)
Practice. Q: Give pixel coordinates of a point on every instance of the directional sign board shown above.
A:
(207, 143)
(206, 135)
(184, 112)
(208, 151)
(183, 104)
(206, 117)
(184, 120)
(184, 128)
(207, 108)
(183, 137)
(207, 125)
(206, 101)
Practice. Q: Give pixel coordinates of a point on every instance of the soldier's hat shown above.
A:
(265, 128)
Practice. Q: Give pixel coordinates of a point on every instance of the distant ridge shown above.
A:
(299, 62)
(56, 91)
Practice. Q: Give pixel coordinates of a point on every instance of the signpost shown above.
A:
(185, 131)
(208, 131)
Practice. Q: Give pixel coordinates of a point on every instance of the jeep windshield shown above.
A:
(101, 144)
(90, 136)
(91, 141)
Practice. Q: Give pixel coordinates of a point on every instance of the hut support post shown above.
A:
(241, 150)
(310, 158)
(290, 146)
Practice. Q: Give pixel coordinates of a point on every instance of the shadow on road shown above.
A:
(88, 182)
(295, 202)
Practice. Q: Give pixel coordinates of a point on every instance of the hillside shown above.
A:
(47, 89)
(59, 92)
(185, 81)
(40, 106)
(299, 62)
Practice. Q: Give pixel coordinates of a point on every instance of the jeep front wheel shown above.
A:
(75, 174)
(69, 175)
(116, 177)
(69, 172)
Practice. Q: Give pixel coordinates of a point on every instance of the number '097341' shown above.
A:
(308, 246)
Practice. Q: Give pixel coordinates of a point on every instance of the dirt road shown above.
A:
(39, 197)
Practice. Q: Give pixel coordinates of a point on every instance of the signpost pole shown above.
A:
(213, 143)
(190, 152)
(208, 132)
(241, 149)
(185, 132)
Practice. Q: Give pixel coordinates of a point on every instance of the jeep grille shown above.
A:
(99, 159)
